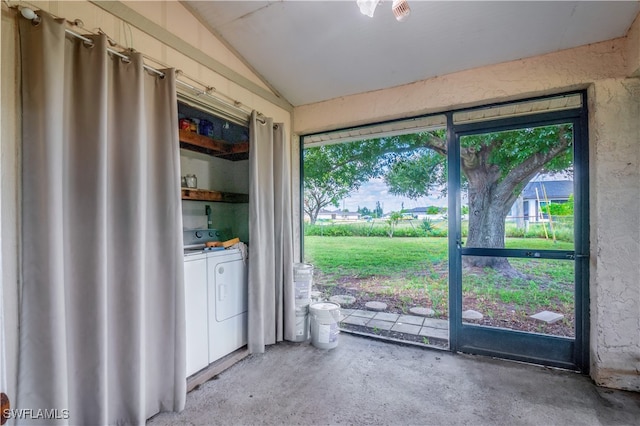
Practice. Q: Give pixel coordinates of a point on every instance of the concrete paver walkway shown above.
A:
(432, 329)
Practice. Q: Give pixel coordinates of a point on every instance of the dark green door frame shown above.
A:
(529, 347)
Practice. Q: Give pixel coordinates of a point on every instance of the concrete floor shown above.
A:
(365, 381)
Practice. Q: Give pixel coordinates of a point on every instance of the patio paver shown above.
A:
(346, 312)
(429, 328)
(406, 328)
(365, 314)
(354, 320)
(386, 316)
(436, 333)
(411, 319)
(380, 324)
(436, 323)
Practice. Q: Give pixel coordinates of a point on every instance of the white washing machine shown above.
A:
(196, 312)
(227, 302)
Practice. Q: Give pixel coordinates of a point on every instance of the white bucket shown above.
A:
(324, 324)
(302, 280)
(302, 324)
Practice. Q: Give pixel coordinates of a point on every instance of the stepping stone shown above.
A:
(472, 315)
(547, 316)
(423, 312)
(343, 299)
(376, 306)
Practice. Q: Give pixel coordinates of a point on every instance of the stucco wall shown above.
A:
(615, 232)
(614, 116)
(633, 49)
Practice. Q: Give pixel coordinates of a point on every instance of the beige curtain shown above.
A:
(102, 309)
(271, 314)
(4, 390)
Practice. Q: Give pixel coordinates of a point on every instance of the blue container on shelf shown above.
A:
(205, 128)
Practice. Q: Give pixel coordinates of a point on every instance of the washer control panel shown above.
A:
(200, 236)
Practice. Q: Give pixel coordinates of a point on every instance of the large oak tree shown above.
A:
(495, 167)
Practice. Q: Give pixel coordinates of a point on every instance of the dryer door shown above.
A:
(231, 289)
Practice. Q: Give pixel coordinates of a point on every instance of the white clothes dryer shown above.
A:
(227, 301)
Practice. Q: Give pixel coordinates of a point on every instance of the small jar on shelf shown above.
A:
(192, 181)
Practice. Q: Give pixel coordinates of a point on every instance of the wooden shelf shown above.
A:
(214, 147)
(215, 196)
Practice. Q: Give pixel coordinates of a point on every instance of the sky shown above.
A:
(376, 190)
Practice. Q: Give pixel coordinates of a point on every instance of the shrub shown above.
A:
(427, 225)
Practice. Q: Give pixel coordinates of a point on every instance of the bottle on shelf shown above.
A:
(192, 181)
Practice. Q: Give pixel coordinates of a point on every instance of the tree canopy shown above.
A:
(495, 168)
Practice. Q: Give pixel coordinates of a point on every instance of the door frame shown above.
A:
(510, 344)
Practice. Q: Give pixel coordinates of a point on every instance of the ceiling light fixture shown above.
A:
(367, 7)
(400, 8)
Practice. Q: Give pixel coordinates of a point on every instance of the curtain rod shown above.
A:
(115, 52)
(31, 15)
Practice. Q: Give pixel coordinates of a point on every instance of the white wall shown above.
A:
(540, 75)
(614, 138)
(218, 175)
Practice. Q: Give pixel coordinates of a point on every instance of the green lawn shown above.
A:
(365, 256)
(414, 271)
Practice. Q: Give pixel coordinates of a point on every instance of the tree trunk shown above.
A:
(487, 215)
(313, 217)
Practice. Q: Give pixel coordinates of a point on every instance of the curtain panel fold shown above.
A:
(102, 310)
(271, 313)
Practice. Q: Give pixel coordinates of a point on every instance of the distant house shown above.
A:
(421, 213)
(418, 212)
(535, 195)
(338, 215)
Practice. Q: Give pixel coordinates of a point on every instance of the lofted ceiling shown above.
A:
(310, 51)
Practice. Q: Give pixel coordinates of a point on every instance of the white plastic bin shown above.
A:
(302, 282)
(325, 317)
(302, 324)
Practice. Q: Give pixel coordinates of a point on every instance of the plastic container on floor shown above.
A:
(302, 324)
(302, 281)
(325, 317)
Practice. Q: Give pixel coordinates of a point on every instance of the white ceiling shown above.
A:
(311, 51)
